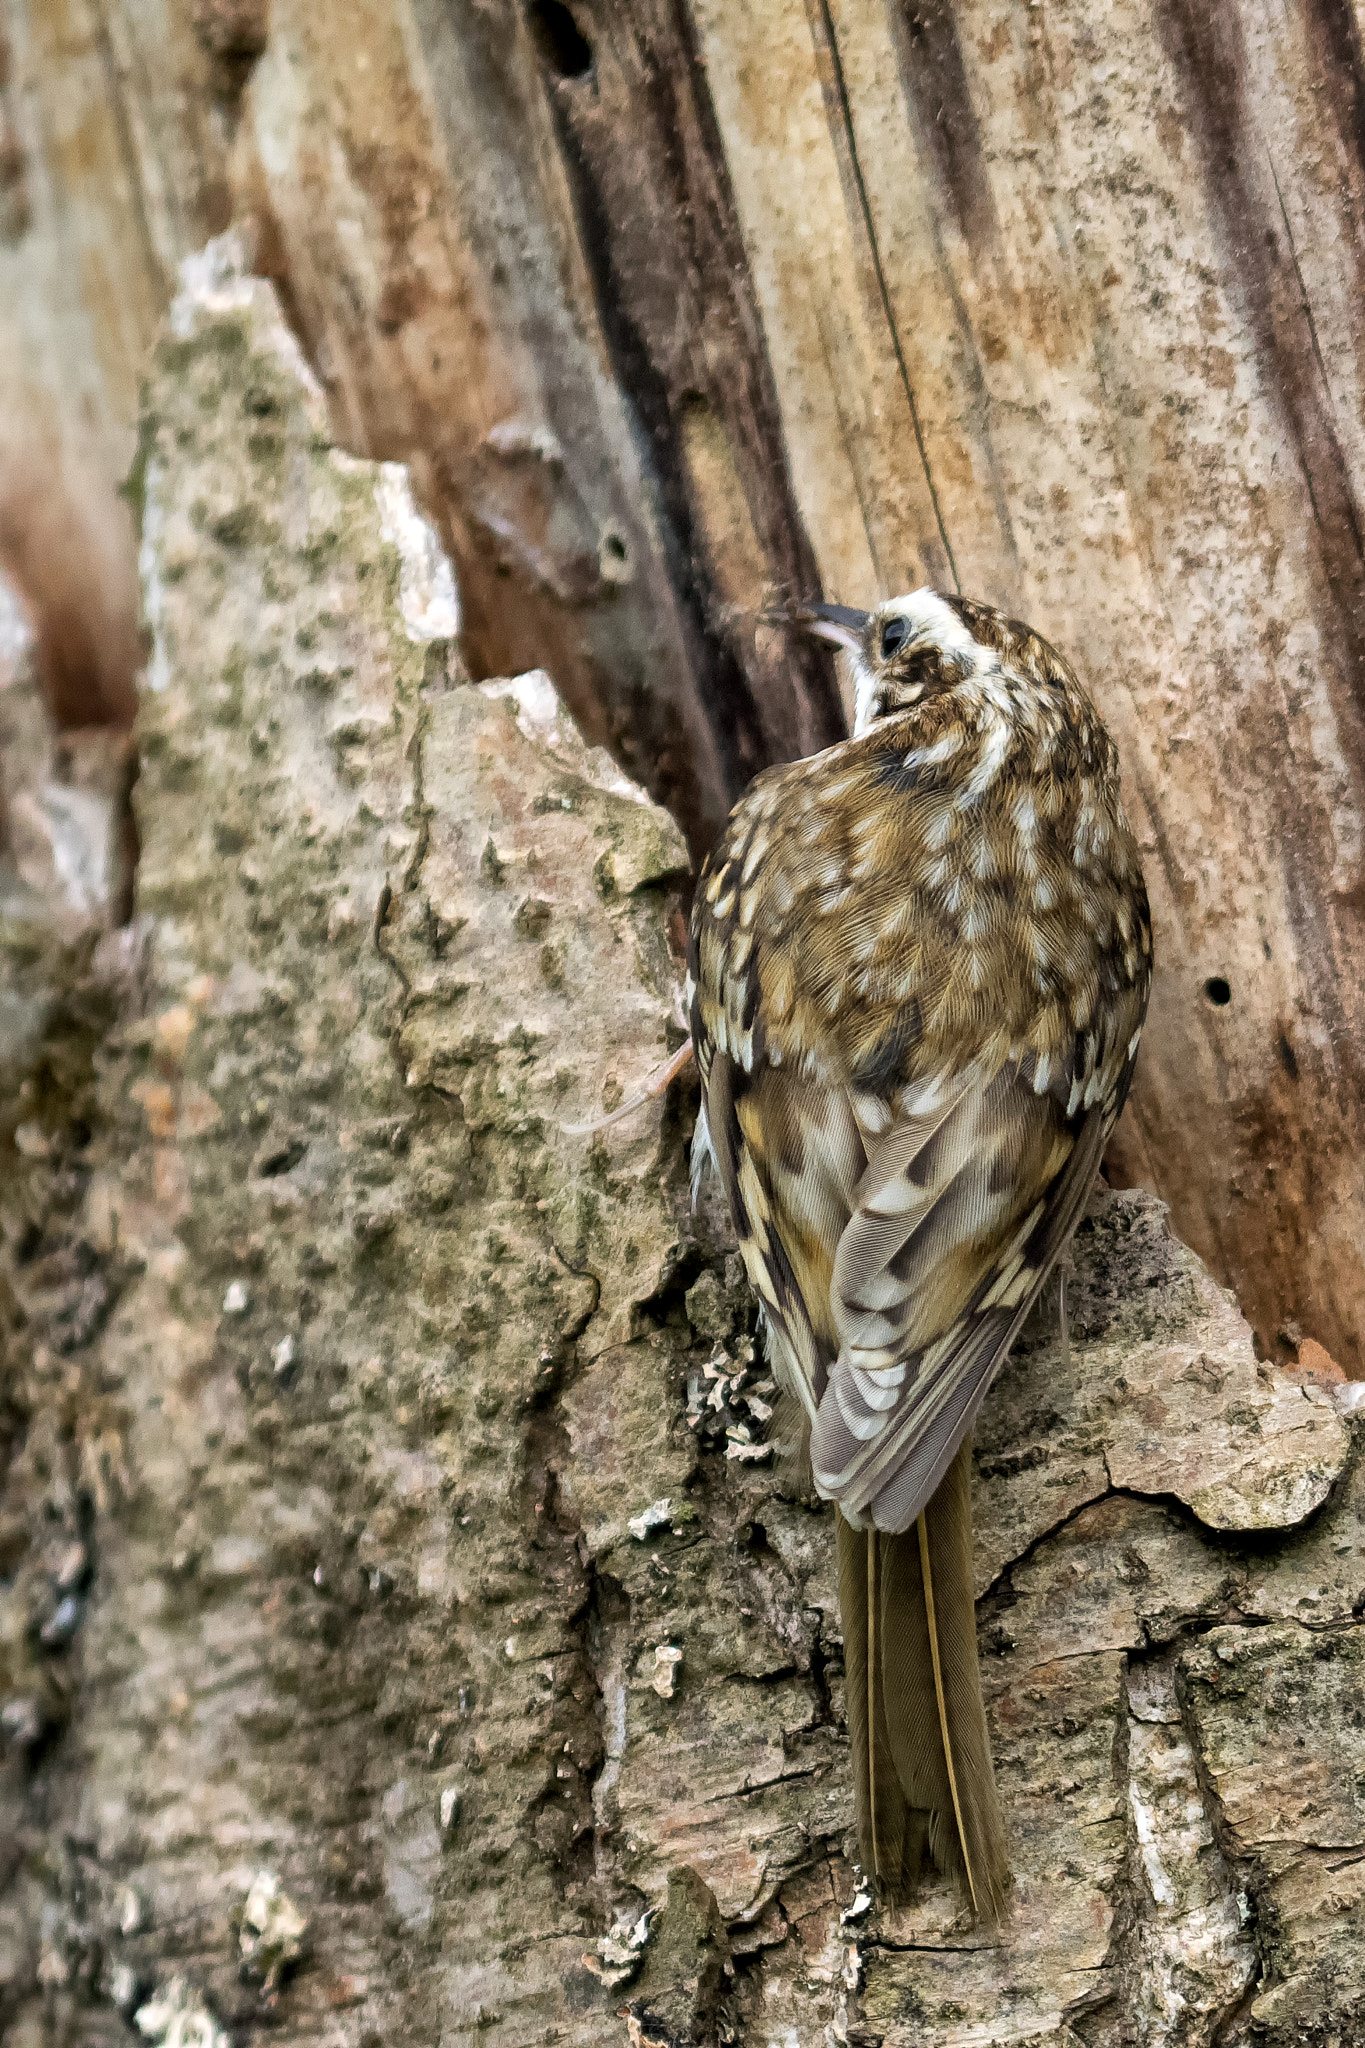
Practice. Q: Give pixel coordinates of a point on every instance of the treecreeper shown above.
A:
(920, 964)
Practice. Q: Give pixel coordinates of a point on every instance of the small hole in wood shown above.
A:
(1218, 991)
(561, 42)
(614, 565)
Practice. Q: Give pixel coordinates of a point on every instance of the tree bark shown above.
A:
(407, 1634)
(405, 1630)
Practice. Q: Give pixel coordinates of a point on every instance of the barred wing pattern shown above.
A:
(896, 1268)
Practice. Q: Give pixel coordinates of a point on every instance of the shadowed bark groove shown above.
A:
(1341, 77)
(1206, 45)
(673, 293)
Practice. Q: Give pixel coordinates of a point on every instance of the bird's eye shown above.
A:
(895, 633)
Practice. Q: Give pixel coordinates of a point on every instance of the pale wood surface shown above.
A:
(1084, 279)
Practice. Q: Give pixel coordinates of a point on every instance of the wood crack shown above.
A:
(840, 84)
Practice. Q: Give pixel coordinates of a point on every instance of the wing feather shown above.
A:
(883, 1464)
(790, 1157)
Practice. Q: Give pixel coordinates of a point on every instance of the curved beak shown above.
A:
(840, 624)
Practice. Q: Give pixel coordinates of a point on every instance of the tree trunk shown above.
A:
(387, 1506)
(405, 1631)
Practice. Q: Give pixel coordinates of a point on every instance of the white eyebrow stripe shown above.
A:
(932, 617)
(864, 694)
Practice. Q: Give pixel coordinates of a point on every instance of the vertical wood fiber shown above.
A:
(1116, 256)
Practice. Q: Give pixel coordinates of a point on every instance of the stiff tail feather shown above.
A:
(921, 1753)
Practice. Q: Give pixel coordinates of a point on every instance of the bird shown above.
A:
(919, 966)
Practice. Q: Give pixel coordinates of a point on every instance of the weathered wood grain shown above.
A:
(520, 272)
(1108, 260)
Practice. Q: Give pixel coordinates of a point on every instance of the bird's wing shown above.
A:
(790, 1157)
(963, 1211)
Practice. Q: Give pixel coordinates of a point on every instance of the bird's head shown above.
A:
(908, 649)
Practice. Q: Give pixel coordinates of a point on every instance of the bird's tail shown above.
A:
(921, 1753)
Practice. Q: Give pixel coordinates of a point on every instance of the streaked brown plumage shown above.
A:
(920, 964)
